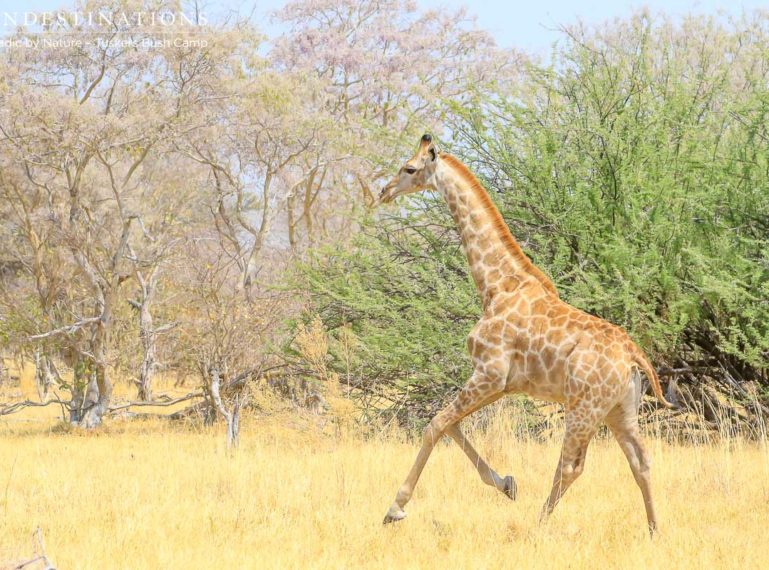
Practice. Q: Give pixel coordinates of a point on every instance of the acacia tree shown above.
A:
(224, 334)
(254, 153)
(172, 217)
(386, 69)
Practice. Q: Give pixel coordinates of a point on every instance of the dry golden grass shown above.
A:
(144, 494)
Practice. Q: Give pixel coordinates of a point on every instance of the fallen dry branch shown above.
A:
(6, 409)
(164, 401)
(39, 562)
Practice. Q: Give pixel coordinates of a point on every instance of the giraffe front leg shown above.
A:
(506, 485)
(430, 436)
(471, 398)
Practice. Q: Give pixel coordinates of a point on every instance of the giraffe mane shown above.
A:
(498, 222)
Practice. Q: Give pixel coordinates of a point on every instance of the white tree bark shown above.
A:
(231, 417)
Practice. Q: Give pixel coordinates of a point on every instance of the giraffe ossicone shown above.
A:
(527, 341)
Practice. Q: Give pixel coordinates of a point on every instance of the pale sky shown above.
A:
(526, 24)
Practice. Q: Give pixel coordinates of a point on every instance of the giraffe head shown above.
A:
(416, 174)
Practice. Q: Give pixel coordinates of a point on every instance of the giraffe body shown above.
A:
(528, 341)
(555, 353)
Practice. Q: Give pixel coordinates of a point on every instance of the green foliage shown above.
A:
(403, 289)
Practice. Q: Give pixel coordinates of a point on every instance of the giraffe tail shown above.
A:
(639, 358)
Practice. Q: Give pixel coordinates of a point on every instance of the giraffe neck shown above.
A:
(497, 262)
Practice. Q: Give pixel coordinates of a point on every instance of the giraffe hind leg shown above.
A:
(580, 428)
(623, 423)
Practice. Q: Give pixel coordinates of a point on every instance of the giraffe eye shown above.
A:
(410, 170)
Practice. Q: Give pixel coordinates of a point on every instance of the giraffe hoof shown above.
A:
(394, 515)
(510, 489)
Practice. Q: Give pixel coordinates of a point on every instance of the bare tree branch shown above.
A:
(69, 329)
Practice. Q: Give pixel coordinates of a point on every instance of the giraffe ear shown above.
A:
(426, 145)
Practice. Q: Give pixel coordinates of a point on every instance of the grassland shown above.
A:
(146, 494)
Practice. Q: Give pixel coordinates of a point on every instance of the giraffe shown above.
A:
(528, 341)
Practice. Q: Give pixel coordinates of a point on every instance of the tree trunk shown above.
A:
(291, 223)
(85, 392)
(146, 372)
(101, 396)
(94, 414)
(233, 430)
(147, 334)
(232, 418)
(44, 376)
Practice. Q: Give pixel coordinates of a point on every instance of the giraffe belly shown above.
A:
(549, 392)
(529, 375)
